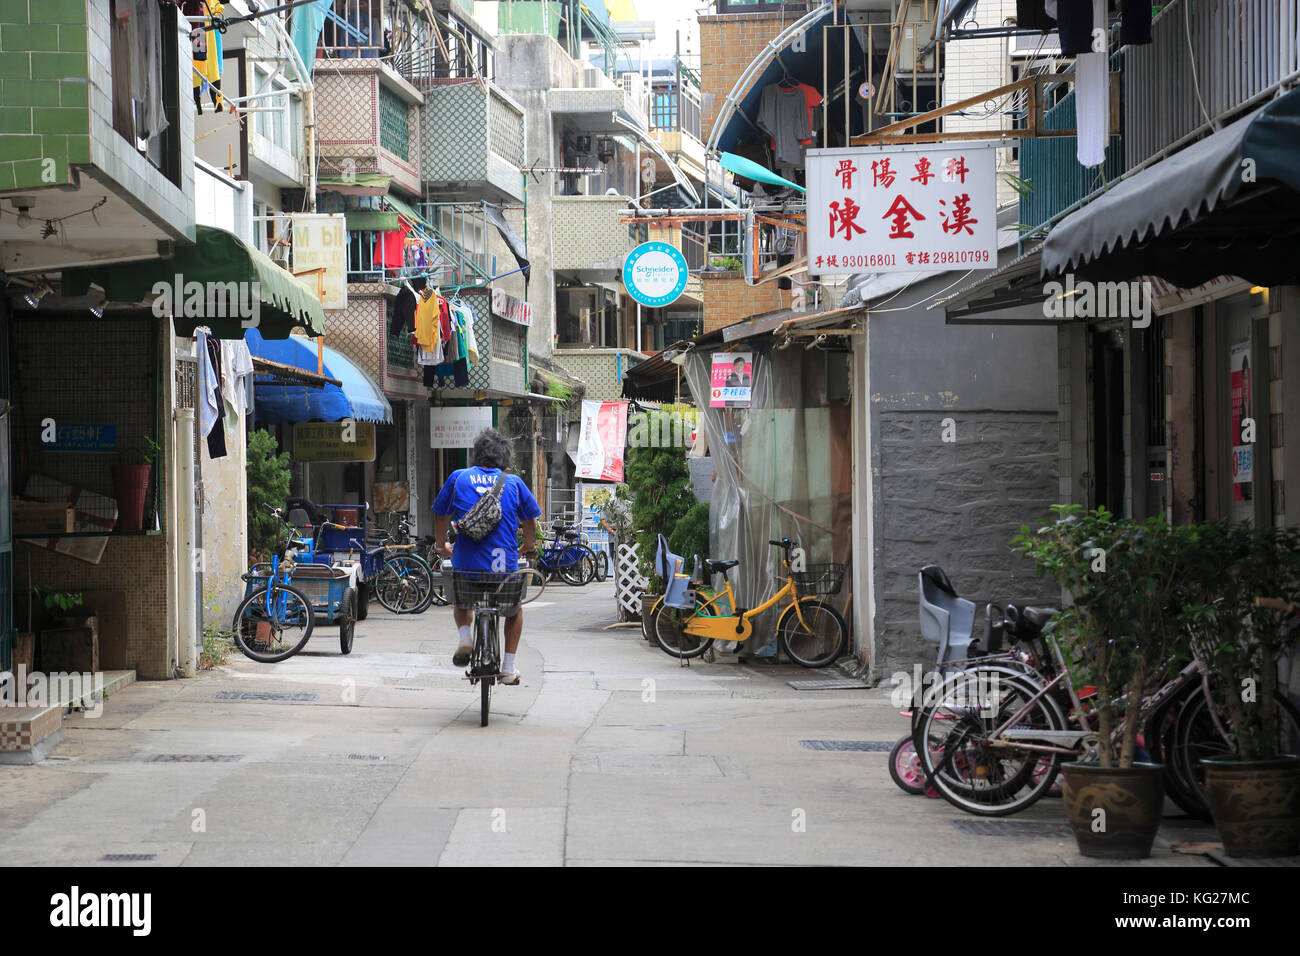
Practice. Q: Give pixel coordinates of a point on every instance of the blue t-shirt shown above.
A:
(499, 551)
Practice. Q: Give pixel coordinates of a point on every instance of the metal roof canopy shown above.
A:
(1229, 203)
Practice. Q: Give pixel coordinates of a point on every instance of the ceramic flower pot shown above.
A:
(1256, 804)
(1114, 812)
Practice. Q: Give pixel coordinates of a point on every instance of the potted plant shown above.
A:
(1254, 785)
(1122, 577)
(60, 605)
(131, 486)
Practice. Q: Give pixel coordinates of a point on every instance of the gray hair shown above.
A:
(491, 450)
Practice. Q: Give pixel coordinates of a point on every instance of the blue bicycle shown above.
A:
(274, 622)
(566, 557)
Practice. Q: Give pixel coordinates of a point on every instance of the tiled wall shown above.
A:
(133, 564)
(599, 369)
(587, 233)
(348, 119)
(44, 111)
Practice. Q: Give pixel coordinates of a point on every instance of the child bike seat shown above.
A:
(677, 585)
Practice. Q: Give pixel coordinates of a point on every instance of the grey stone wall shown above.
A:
(956, 504)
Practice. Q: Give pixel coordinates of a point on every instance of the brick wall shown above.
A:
(44, 111)
(727, 44)
(728, 299)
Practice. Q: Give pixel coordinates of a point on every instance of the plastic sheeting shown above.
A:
(784, 468)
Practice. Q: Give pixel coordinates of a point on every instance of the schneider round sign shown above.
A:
(655, 274)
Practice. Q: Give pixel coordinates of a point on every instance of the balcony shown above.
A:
(593, 109)
(368, 120)
(1239, 54)
(503, 354)
(589, 241)
(75, 137)
(675, 120)
(602, 370)
(473, 140)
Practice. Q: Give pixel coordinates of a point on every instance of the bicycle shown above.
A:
(274, 622)
(809, 630)
(490, 594)
(564, 555)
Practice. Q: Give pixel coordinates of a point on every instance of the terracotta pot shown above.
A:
(1256, 804)
(1131, 799)
(131, 486)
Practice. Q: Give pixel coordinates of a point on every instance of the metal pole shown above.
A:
(187, 596)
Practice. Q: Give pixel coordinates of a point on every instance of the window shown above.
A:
(755, 6)
(394, 123)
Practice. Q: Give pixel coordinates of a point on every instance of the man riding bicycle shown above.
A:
(498, 551)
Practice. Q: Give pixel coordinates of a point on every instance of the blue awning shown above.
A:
(359, 398)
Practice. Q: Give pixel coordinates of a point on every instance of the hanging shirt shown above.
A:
(237, 375)
(784, 114)
(471, 343)
(1092, 97)
(404, 311)
(427, 331)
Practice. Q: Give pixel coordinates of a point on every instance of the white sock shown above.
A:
(464, 636)
(508, 664)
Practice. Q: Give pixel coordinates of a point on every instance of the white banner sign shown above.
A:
(902, 209)
(457, 427)
(601, 440)
(320, 241)
(511, 309)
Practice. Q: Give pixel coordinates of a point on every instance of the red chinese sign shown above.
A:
(901, 208)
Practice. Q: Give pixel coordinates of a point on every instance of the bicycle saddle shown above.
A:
(1037, 617)
(714, 566)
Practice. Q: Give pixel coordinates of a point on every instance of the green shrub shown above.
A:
(660, 485)
(268, 484)
(691, 533)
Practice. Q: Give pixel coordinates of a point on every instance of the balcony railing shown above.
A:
(674, 110)
(1239, 53)
(1050, 166)
(352, 28)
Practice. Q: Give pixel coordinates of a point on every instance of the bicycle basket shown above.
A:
(501, 590)
(819, 578)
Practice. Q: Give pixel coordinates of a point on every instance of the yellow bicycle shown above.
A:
(810, 631)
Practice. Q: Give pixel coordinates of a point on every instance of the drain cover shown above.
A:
(880, 746)
(828, 683)
(128, 857)
(237, 695)
(366, 757)
(1013, 828)
(195, 758)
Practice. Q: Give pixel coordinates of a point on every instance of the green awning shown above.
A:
(226, 274)
(355, 184)
(407, 211)
(372, 220)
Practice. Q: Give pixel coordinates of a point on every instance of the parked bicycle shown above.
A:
(810, 631)
(563, 555)
(490, 595)
(274, 621)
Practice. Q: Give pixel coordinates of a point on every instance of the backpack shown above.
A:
(485, 514)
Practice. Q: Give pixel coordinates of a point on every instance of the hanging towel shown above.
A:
(237, 375)
(388, 253)
(471, 343)
(217, 433)
(208, 384)
(1092, 97)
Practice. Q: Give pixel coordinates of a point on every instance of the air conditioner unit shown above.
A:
(917, 34)
(591, 78)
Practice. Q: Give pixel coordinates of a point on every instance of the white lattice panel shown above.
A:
(628, 582)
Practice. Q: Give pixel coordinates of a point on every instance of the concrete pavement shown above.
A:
(609, 752)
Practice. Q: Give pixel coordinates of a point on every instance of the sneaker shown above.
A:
(461, 657)
(511, 678)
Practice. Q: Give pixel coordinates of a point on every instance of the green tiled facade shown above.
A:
(44, 113)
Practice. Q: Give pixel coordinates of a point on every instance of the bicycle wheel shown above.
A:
(602, 566)
(576, 565)
(438, 593)
(1197, 738)
(347, 620)
(365, 593)
(672, 639)
(430, 576)
(818, 639)
(970, 773)
(1160, 737)
(905, 767)
(403, 584)
(269, 632)
(488, 661)
(648, 620)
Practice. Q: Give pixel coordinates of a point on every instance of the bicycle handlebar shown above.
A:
(783, 543)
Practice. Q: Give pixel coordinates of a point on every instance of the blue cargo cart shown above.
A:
(332, 591)
(343, 547)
